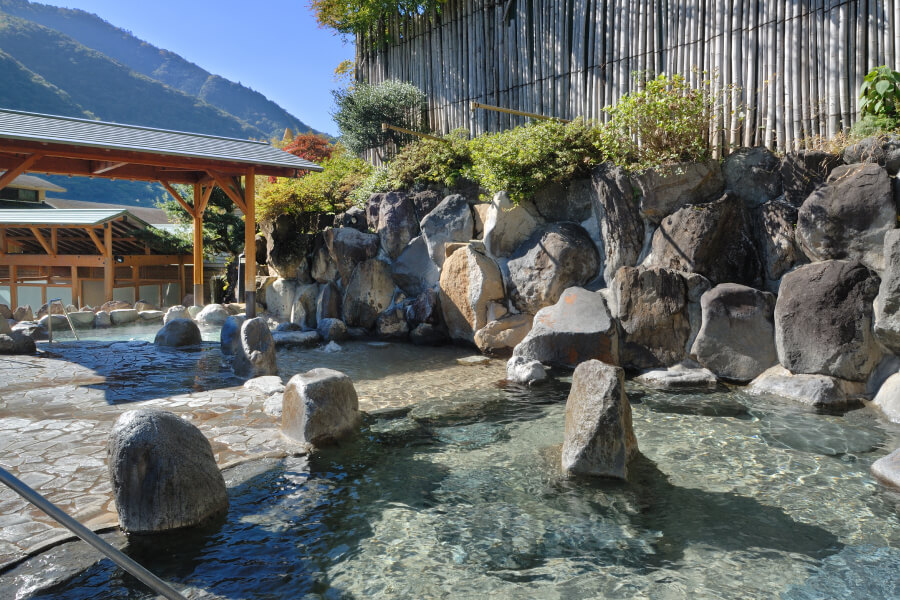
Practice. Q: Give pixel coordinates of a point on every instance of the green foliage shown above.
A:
(431, 161)
(366, 16)
(328, 190)
(871, 125)
(223, 231)
(522, 160)
(378, 180)
(362, 109)
(880, 93)
(666, 120)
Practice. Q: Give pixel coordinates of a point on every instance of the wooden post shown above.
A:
(109, 264)
(13, 287)
(198, 246)
(182, 288)
(250, 244)
(76, 288)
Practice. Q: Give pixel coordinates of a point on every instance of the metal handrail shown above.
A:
(50, 319)
(149, 579)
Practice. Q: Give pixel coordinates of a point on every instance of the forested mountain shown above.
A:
(70, 62)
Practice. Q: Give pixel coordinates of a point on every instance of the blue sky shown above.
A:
(272, 46)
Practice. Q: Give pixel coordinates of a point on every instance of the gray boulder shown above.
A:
(288, 246)
(151, 315)
(823, 320)
(802, 172)
(176, 312)
(349, 247)
(397, 223)
(508, 225)
(255, 356)
(713, 239)
(564, 202)
(23, 313)
(848, 216)
(414, 271)
(888, 398)
(122, 316)
(84, 319)
(372, 208)
(618, 218)
(883, 150)
(328, 302)
(296, 339)
(332, 330)
(6, 328)
(5, 313)
(354, 217)
(212, 314)
(668, 188)
(58, 322)
(426, 334)
(323, 268)
(737, 337)
(887, 303)
(450, 221)
(320, 407)
(115, 305)
(425, 308)
(684, 375)
(599, 440)
(16, 342)
(101, 319)
(753, 175)
(554, 258)
(230, 336)
(369, 292)
(887, 469)
(652, 308)
(577, 328)
(812, 390)
(779, 252)
(163, 473)
(525, 371)
(499, 337)
(280, 296)
(425, 201)
(470, 282)
(178, 333)
(303, 312)
(391, 324)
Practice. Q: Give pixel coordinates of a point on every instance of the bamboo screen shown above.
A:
(798, 63)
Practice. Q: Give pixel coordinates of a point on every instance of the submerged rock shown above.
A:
(255, 356)
(500, 336)
(178, 333)
(887, 469)
(163, 473)
(525, 371)
(812, 390)
(687, 374)
(888, 398)
(599, 439)
(320, 407)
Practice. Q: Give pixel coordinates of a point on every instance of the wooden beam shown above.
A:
(101, 167)
(4, 243)
(233, 193)
(198, 247)
(250, 244)
(43, 242)
(207, 194)
(109, 265)
(54, 241)
(174, 193)
(13, 172)
(60, 260)
(96, 239)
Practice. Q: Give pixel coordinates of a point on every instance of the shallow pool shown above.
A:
(460, 496)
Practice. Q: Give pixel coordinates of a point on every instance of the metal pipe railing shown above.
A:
(50, 319)
(146, 577)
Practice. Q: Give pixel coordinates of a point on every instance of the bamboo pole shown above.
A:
(509, 111)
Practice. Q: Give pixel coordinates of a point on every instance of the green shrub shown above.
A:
(880, 93)
(523, 160)
(667, 120)
(362, 109)
(328, 190)
(378, 180)
(430, 161)
(871, 125)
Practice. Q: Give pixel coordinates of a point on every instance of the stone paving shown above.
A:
(56, 411)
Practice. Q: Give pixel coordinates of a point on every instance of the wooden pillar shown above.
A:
(182, 289)
(76, 289)
(198, 246)
(109, 264)
(13, 287)
(136, 281)
(250, 244)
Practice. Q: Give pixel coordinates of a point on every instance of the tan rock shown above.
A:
(501, 336)
(469, 282)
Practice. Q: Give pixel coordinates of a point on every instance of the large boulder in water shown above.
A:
(737, 337)
(470, 282)
(367, 294)
(668, 188)
(599, 439)
(178, 333)
(713, 239)
(500, 336)
(213, 314)
(230, 336)
(887, 469)
(848, 217)
(554, 258)
(618, 217)
(320, 407)
(823, 320)
(450, 221)
(163, 473)
(397, 223)
(577, 328)
(255, 356)
(176, 312)
(753, 175)
(652, 308)
(813, 390)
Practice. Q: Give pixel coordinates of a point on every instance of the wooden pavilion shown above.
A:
(36, 143)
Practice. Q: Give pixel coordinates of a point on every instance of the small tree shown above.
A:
(309, 146)
(362, 109)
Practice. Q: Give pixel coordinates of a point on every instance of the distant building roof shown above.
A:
(34, 127)
(153, 216)
(30, 182)
(42, 217)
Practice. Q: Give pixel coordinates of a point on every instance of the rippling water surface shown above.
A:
(461, 497)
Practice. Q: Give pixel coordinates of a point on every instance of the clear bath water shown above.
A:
(461, 497)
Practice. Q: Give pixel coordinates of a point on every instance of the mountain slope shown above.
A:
(23, 89)
(169, 68)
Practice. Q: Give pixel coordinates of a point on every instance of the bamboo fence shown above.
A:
(785, 70)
